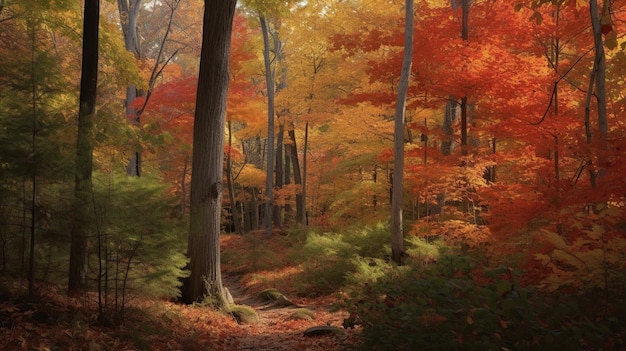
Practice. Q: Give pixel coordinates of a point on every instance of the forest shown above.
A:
(313, 175)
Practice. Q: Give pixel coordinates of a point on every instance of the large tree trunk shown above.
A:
(208, 155)
(269, 81)
(84, 148)
(397, 235)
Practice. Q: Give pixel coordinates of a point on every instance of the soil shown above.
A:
(278, 330)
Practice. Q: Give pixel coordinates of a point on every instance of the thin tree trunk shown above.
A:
(301, 216)
(464, 125)
(598, 76)
(269, 80)
(229, 178)
(397, 235)
(297, 175)
(33, 198)
(279, 174)
(288, 207)
(600, 59)
(448, 120)
(84, 148)
(129, 14)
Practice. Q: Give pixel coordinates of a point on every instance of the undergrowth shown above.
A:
(442, 299)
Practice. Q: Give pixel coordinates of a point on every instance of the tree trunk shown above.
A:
(231, 188)
(464, 125)
(297, 175)
(450, 116)
(33, 198)
(288, 207)
(208, 155)
(598, 77)
(279, 174)
(397, 236)
(600, 59)
(269, 80)
(84, 148)
(129, 14)
(301, 216)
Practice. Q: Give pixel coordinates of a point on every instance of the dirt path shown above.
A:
(278, 330)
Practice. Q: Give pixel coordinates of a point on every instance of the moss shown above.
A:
(244, 314)
(270, 294)
(302, 314)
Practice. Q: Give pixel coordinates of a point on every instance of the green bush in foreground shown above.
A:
(444, 307)
(333, 260)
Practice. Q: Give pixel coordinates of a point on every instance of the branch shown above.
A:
(562, 77)
(156, 70)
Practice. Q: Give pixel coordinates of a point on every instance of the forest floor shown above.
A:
(53, 321)
(277, 328)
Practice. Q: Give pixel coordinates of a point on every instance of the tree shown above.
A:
(129, 14)
(269, 81)
(208, 155)
(397, 237)
(84, 147)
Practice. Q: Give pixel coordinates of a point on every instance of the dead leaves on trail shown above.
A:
(54, 321)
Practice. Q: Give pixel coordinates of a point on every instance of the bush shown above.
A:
(334, 260)
(451, 305)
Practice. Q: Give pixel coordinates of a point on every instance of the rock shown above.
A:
(270, 294)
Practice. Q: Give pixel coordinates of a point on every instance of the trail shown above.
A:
(277, 330)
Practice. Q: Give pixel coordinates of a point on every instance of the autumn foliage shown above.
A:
(514, 174)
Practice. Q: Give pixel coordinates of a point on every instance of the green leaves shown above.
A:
(447, 306)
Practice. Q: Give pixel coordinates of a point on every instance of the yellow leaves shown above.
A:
(589, 255)
(251, 176)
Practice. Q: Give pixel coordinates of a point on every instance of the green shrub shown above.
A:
(333, 260)
(445, 307)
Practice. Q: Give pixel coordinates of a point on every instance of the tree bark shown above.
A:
(84, 149)
(600, 60)
(598, 77)
(129, 14)
(301, 216)
(397, 235)
(297, 175)
(279, 173)
(208, 155)
(231, 188)
(269, 81)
